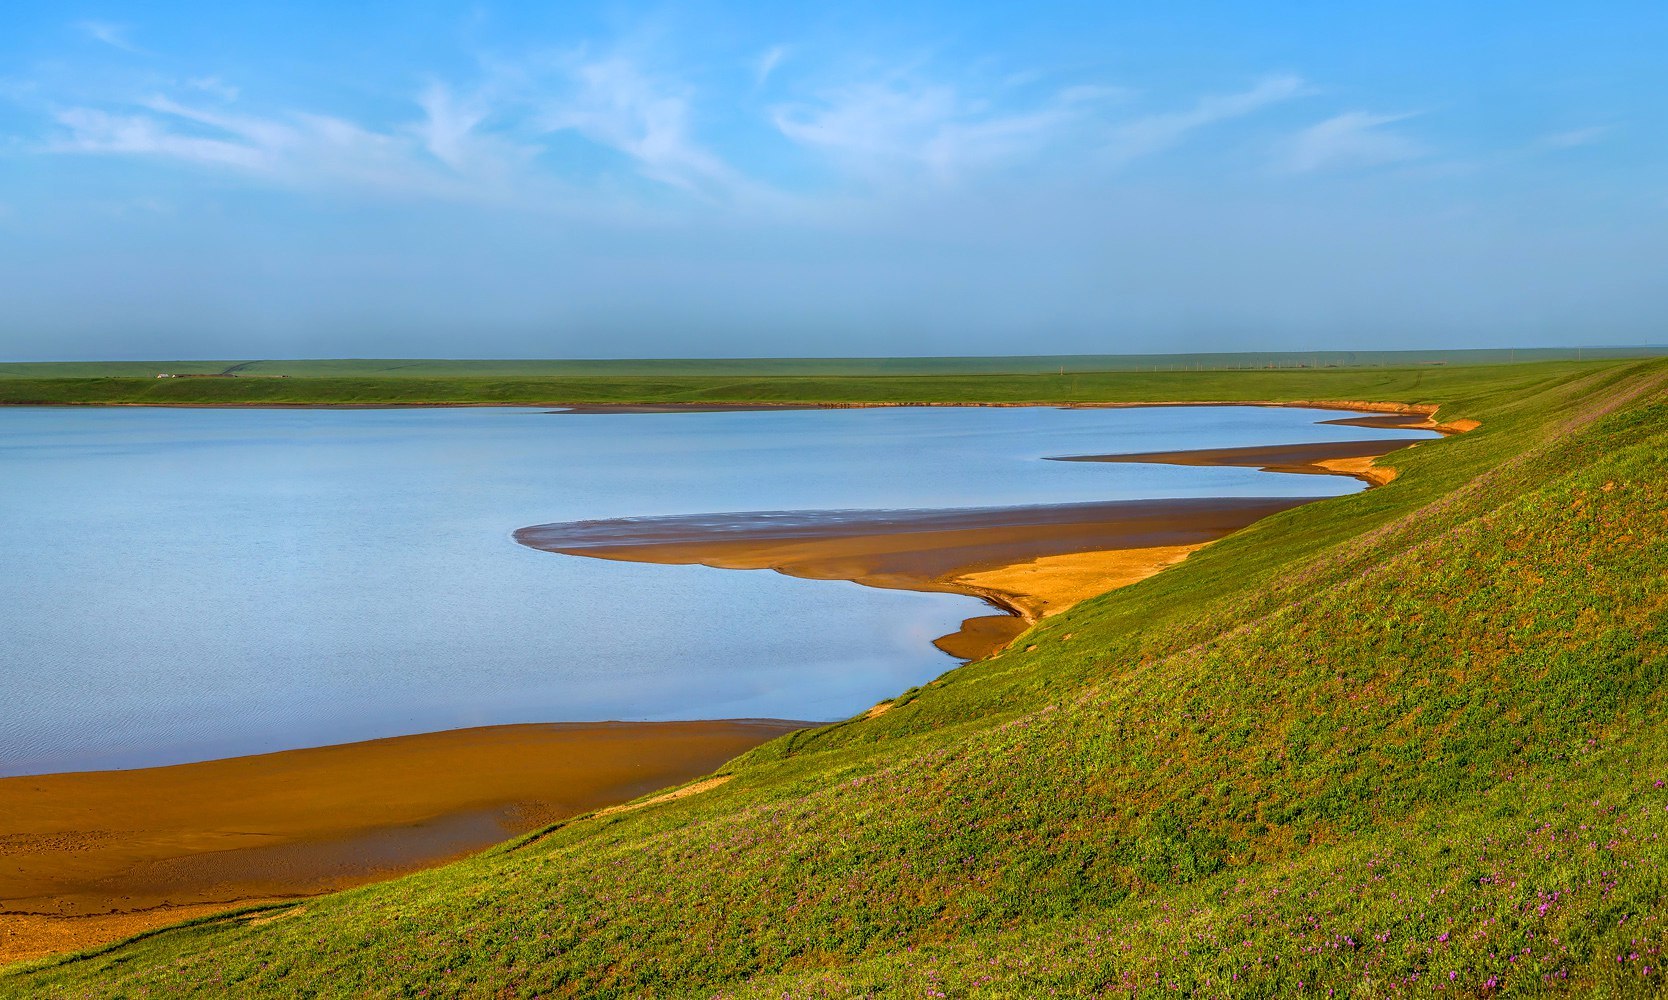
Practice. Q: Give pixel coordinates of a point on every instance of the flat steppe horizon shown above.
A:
(719, 500)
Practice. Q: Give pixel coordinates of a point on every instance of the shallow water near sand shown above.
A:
(184, 584)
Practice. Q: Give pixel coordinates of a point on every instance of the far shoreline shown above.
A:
(1024, 589)
(1426, 411)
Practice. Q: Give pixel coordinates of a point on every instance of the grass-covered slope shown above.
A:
(1410, 740)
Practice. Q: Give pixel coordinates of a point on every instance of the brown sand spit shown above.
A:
(1419, 417)
(1349, 458)
(1387, 421)
(96, 856)
(1029, 562)
(929, 550)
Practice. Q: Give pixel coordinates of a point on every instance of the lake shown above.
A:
(185, 584)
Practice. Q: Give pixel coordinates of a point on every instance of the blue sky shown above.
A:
(739, 179)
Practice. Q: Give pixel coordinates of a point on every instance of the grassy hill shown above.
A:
(1411, 740)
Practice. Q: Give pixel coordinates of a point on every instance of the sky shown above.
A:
(425, 179)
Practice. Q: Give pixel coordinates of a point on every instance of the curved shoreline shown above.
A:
(561, 408)
(1011, 584)
(1032, 577)
(92, 856)
(933, 551)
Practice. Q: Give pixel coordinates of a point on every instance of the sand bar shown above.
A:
(1352, 458)
(1030, 562)
(1387, 421)
(928, 550)
(94, 856)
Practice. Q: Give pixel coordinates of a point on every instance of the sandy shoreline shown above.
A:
(1029, 562)
(1349, 458)
(94, 856)
(924, 550)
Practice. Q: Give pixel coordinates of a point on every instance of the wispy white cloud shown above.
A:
(454, 130)
(113, 35)
(448, 128)
(214, 87)
(1150, 134)
(767, 63)
(481, 142)
(299, 149)
(1354, 139)
(873, 128)
(877, 128)
(506, 135)
(93, 131)
(1095, 93)
(612, 101)
(1574, 138)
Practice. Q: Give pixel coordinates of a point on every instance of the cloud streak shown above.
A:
(613, 102)
(543, 129)
(767, 64)
(607, 178)
(876, 129)
(879, 129)
(1574, 138)
(1353, 140)
(113, 35)
(1152, 134)
(298, 149)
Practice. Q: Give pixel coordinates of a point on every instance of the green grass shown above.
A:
(431, 368)
(1407, 384)
(1407, 741)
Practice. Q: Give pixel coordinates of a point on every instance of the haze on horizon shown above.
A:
(736, 179)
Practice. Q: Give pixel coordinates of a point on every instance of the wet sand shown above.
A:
(934, 550)
(1030, 562)
(1350, 458)
(1387, 421)
(94, 856)
(87, 858)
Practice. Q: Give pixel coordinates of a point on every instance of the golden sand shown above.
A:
(1051, 584)
(95, 856)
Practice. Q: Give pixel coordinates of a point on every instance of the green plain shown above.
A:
(432, 368)
(1410, 741)
(1417, 383)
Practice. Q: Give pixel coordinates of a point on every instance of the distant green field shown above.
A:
(1412, 742)
(802, 367)
(1414, 383)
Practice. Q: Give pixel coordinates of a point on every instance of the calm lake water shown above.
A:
(183, 584)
